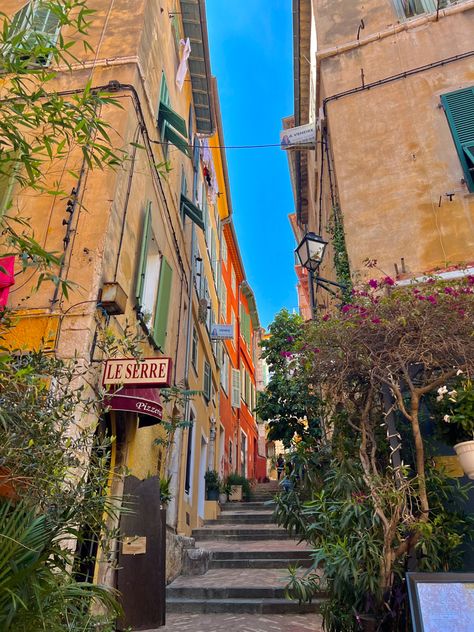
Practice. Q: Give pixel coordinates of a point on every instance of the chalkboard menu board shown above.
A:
(441, 602)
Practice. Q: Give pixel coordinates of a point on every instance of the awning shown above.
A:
(144, 401)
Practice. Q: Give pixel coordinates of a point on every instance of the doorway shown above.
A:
(201, 479)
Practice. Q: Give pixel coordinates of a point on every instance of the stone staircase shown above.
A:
(248, 557)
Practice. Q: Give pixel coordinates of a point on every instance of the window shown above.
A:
(171, 125)
(207, 381)
(459, 109)
(234, 282)
(153, 287)
(234, 329)
(224, 251)
(224, 302)
(411, 8)
(225, 371)
(194, 349)
(235, 388)
(39, 29)
(245, 325)
(231, 452)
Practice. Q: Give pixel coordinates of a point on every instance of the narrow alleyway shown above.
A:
(243, 589)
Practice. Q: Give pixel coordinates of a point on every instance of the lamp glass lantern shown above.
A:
(311, 251)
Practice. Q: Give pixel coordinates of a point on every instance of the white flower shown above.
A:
(459, 372)
(442, 390)
(447, 419)
(453, 394)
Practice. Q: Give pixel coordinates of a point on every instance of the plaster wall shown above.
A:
(394, 157)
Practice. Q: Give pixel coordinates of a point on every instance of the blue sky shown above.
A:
(251, 56)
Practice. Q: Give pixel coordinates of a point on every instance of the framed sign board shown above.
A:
(441, 602)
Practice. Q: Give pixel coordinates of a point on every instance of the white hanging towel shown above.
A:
(183, 64)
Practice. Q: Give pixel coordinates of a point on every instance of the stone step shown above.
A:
(281, 553)
(239, 535)
(277, 562)
(254, 606)
(225, 592)
(233, 517)
(247, 506)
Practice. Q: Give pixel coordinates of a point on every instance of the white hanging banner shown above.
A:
(300, 137)
(183, 64)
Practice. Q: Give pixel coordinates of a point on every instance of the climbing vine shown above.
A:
(341, 260)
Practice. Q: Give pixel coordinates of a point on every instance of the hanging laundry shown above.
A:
(183, 64)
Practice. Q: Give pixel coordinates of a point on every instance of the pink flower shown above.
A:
(290, 339)
(345, 309)
(286, 354)
(374, 283)
(376, 321)
(326, 317)
(470, 279)
(316, 350)
(432, 299)
(388, 280)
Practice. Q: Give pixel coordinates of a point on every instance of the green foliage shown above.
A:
(165, 490)
(212, 480)
(238, 479)
(331, 508)
(35, 589)
(456, 410)
(288, 403)
(58, 466)
(39, 125)
(341, 258)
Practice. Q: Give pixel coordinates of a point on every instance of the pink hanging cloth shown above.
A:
(7, 278)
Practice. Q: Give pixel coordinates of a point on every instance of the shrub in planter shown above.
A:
(212, 485)
(235, 480)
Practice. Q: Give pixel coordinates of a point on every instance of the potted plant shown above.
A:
(240, 487)
(212, 485)
(459, 414)
(225, 490)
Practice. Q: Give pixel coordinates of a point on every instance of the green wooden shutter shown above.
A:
(165, 113)
(160, 324)
(146, 236)
(207, 380)
(459, 108)
(175, 139)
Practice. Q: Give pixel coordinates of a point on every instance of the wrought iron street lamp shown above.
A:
(310, 252)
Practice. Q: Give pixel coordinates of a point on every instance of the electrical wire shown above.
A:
(163, 142)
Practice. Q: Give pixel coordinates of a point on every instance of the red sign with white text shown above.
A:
(147, 371)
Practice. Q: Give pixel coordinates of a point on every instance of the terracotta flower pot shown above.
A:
(465, 452)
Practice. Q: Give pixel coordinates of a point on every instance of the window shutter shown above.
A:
(146, 235)
(236, 388)
(165, 113)
(459, 108)
(207, 381)
(162, 304)
(175, 139)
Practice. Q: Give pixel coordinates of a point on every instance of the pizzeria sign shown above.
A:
(146, 371)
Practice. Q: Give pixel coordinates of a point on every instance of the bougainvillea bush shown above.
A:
(404, 343)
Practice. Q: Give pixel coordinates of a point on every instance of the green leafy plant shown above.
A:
(238, 479)
(341, 259)
(165, 490)
(212, 480)
(456, 401)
